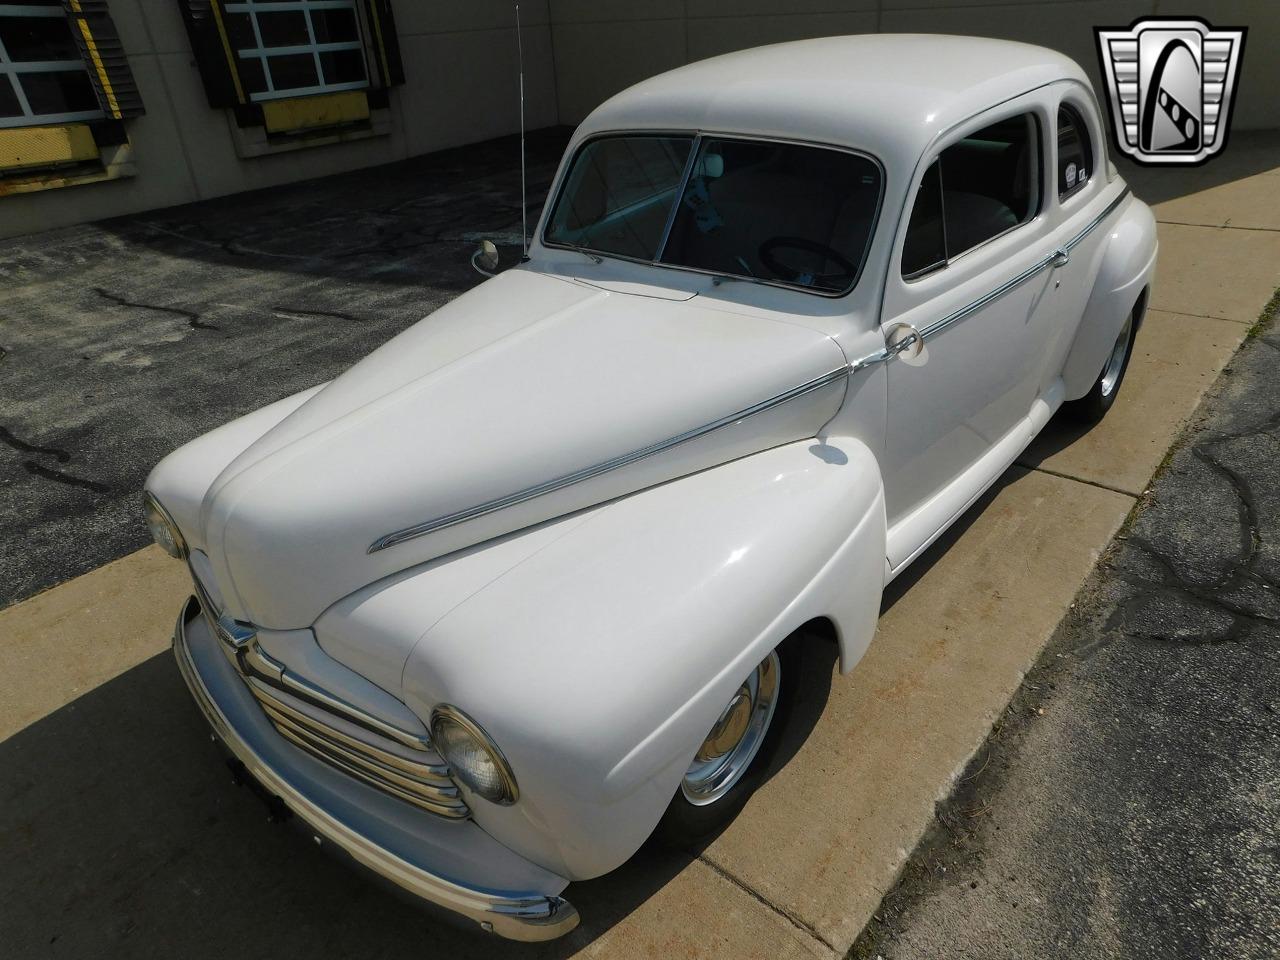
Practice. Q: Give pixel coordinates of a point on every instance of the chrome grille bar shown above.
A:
(399, 762)
(424, 783)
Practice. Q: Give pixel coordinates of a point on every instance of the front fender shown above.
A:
(599, 662)
(1126, 271)
(182, 478)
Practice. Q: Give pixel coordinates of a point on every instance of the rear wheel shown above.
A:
(1093, 406)
(734, 757)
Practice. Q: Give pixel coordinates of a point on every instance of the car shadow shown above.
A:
(124, 835)
(903, 583)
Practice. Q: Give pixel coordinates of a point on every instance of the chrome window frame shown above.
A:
(1032, 214)
(698, 136)
(261, 53)
(942, 207)
(1086, 140)
(11, 71)
(685, 171)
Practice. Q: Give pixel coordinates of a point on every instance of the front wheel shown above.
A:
(1093, 406)
(734, 757)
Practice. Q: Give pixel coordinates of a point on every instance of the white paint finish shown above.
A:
(980, 375)
(1065, 26)
(566, 378)
(305, 659)
(460, 851)
(909, 88)
(373, 630)
(1127, 267)
(181, 479)
(913, 533)
(622, 640)
(597, 631)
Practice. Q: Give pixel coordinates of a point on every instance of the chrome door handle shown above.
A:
(895, 347)
(1060, 258)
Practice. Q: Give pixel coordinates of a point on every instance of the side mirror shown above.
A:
(485, 259)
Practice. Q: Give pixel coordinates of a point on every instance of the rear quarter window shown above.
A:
(1075, 153)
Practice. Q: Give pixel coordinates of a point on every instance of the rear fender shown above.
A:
(1124, 276)
(600, 662)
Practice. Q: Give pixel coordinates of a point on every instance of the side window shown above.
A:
(977, 189)
(1075, 156)
(925, 248)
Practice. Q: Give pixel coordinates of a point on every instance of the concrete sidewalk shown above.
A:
(172, 860)
(1128, 802)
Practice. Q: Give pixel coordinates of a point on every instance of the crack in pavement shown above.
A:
(296, 313)
(192, 318)
(766, 902)
(58, 476)
(1067, 476)
(1220, 594)
(7, 437)
(1214, 594)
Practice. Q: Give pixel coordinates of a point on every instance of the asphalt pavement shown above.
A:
(1127, 804)
(120, 340)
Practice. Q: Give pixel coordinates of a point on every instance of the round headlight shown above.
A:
(474, 759)
(163, 530)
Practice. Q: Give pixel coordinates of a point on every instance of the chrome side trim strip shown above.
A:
(938, 326)
(1097, 221)
(589, 473)
(626, 459)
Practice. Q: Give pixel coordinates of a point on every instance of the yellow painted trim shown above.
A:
(325, 110)
(382, 47)
(41, 146)
(226, 48)
(97, 62)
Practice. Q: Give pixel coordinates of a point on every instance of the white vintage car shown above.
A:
(530, 582)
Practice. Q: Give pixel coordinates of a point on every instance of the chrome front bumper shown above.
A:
(452, 864)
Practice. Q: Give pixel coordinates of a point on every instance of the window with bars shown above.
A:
(43, 78)
(293, 48)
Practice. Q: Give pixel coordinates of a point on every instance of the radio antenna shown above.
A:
(524, 202)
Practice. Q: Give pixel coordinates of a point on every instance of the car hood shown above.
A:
(526, 379)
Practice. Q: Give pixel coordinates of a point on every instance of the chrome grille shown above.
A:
(398, 762)
(391, 766)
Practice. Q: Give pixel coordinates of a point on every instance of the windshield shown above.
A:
(759, 210)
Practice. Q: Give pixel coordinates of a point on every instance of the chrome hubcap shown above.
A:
(1115, 363)
(735, 737)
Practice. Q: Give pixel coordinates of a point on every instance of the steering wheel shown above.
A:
(767, 254)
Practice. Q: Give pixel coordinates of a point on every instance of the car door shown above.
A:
(968, 287)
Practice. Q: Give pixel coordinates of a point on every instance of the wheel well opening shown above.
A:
(821, 627)
(1140, 306)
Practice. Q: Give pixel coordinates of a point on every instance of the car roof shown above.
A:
(887, 94)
